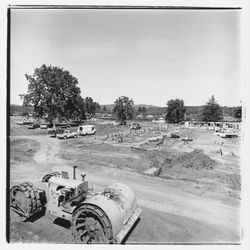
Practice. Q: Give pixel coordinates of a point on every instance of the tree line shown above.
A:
(53, 93)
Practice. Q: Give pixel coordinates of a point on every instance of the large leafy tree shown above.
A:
(212, 111)
(175, 110)
(53, 92)
(124, 109)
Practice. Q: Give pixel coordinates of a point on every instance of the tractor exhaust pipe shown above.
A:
(74, 172)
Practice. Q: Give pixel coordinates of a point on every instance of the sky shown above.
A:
(151, 56)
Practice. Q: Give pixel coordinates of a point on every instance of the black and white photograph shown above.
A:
(125, 125)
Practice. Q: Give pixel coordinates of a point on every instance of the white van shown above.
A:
(86, 130)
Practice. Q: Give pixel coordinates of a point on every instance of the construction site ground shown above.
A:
(186, 195)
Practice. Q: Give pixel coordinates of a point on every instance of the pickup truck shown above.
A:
(34, 126)
(67, 134)
(55, 131)
(136, 126)
(227, 133)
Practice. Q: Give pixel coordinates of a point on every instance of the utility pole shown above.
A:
(22, 98)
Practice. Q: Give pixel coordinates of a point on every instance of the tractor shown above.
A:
(95, 216)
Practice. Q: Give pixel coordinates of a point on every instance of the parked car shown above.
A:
(67, 134)
(55, 131)
(175, 135)
(44, 125)
(136, 126)
(122, 123)
(33, 126)
(86, 130)
(227, 133)
(25, 122)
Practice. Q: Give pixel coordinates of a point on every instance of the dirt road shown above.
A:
(170, 214)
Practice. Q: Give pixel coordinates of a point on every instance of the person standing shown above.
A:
(185, 140)
(221, 146)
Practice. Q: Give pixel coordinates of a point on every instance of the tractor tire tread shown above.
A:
(34, 204)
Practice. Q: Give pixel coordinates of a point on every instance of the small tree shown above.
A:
(238, 112)
(175, 110)
(91, 106)
(97, 106)
(141, 110)
(124, 109)
(25, 111)
(212, 111)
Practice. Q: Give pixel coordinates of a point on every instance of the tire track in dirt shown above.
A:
(45, 159)
(48, 154)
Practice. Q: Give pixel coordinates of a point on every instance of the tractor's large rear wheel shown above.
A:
(26, 200)
(91, 225)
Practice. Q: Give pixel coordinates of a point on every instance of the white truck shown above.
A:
(227, 133)
(86, 130)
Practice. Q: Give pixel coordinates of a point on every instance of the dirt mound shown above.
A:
(197, 159)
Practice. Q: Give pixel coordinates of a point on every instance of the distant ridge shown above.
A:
(190, 110)
(147, 106)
